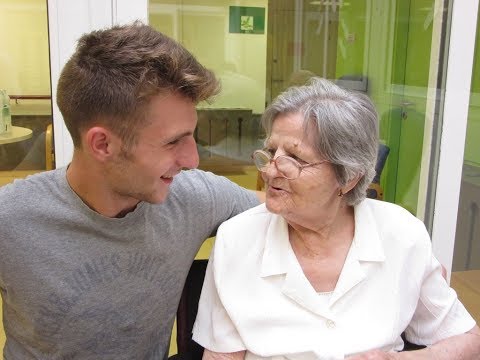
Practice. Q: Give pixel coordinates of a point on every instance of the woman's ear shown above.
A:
(101, 143)
(351, 184)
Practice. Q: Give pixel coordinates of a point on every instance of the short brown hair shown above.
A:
(115, 72)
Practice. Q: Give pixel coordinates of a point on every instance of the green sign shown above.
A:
(247, 20)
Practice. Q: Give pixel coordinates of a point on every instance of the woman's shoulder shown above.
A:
(256, 216)
(389, 212)
(397, 228)
(244, 231)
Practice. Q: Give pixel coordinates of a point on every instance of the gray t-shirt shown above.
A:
(76, 284)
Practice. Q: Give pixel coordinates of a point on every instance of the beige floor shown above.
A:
(467, 286)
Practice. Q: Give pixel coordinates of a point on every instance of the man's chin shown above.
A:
(157, 198)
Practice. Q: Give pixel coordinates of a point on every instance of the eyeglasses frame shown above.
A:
(273, 160)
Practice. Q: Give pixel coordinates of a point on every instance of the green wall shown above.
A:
(417, 68)
(351, 39)
(397, 46)
(472, 143)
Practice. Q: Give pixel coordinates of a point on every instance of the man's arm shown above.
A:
(260, 196)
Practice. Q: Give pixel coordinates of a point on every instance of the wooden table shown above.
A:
(17, 134)
(467, 286)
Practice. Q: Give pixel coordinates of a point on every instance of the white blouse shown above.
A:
(256, 297)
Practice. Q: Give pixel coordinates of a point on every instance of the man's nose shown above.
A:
(189, 155)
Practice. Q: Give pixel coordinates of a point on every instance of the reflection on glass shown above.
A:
(25, 75)
(384, 51)
(228, 130)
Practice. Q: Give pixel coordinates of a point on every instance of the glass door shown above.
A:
(412, 44)
(230, 38)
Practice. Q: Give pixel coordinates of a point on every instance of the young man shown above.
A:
(94, 256)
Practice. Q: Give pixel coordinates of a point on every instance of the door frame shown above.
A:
(67, 21)
(455, 116)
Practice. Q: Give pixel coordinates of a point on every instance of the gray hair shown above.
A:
(345, 125)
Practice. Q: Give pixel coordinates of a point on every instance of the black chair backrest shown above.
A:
(383, 151)
(374, 190)
(187, 312)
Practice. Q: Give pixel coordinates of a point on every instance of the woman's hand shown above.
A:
(375, 355)
(460, 347)
(212, 355)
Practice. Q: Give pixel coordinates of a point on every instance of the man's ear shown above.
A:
(101, 143)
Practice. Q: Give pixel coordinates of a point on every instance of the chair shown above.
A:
(374, 190)
(49, 153)
(187, 312)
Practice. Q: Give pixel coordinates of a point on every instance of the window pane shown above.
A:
(228, 130)
(384, 51)
(392, 51)
(25, 76)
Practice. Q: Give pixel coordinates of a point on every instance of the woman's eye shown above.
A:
(295, 157)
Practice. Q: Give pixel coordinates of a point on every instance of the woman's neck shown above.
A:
(322, 251)
(324, 238)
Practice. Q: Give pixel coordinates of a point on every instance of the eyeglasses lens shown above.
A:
(261, 160)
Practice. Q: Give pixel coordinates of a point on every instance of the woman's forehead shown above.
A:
(290, 143)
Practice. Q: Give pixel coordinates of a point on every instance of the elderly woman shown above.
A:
(319, 271)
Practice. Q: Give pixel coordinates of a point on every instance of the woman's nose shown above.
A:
(271, 169)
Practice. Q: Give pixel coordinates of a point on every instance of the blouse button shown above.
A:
(330, 324)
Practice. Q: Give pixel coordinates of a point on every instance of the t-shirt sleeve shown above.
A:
(439, 314)
(213, 328)
(227, 198)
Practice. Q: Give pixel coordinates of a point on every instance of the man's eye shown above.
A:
(173, 142)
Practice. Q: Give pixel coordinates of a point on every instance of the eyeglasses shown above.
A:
(287, 166)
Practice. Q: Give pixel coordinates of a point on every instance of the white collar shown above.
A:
(279, 258)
